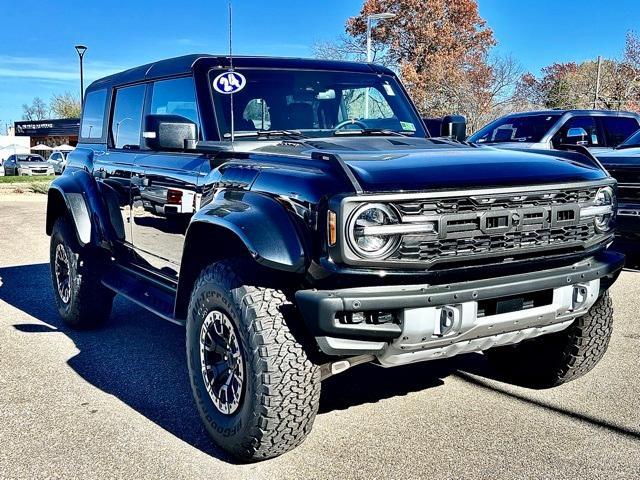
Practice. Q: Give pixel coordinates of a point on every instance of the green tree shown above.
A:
(65, 105)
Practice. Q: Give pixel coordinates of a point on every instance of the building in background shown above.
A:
(49, 132)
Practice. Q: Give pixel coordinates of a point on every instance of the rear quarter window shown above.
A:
(93, 115)
(618, 129)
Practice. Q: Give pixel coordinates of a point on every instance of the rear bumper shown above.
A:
(419, 309)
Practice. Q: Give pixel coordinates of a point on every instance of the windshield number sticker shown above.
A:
(229, 82)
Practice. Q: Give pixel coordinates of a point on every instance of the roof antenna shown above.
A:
(231, 67)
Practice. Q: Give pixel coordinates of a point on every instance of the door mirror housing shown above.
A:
(454, 126)
(451, 126)
(169, 132)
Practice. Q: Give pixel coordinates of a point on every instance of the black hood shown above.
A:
(403, 164)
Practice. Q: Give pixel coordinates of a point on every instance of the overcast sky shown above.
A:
(37, 57)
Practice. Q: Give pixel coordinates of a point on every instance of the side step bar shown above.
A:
(142, 291)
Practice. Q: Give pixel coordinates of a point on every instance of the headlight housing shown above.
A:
(366, 238)
(605, 198)
(602, 210)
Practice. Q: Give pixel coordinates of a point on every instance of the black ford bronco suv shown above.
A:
(296, 217)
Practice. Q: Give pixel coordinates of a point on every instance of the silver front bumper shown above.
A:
(430, 333)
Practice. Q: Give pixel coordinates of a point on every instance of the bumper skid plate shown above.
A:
(438, 321)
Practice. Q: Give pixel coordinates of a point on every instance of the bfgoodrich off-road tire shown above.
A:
(82, 301)
(557, 358)
(277, 400)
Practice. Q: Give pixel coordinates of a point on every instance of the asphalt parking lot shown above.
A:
(116, 402)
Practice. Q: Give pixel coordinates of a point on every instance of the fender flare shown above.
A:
(79, 192)
(261, 223)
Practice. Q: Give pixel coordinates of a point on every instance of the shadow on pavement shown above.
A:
(140, 359)
(475, 369)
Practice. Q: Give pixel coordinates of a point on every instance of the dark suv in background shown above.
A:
(623, 163)
(598, 130)
(295, 217)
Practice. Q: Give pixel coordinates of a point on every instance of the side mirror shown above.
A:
(169, 132)
(454, 126)
(577, 136)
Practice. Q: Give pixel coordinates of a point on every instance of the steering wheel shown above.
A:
(353, 121)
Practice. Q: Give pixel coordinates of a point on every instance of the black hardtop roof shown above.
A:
(185, 65)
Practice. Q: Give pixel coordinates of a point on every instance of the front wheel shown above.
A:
(82, 301)
(560, 357)
(256, 390)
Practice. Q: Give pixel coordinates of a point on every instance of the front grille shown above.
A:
(415, 249)
(496, 225)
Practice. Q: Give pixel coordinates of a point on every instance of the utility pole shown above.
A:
(597, 94)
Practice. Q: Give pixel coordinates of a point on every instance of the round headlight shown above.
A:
(365, 240)
(604, 198)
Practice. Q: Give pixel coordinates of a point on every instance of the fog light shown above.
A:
(369, 318)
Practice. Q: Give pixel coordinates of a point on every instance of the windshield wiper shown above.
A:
(622, 147)
(267, 134)
(371, 131)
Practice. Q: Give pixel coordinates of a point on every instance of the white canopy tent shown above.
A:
(42, 148)
(64, 148)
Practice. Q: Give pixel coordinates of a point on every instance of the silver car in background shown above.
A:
(27, 164)
(597, 130)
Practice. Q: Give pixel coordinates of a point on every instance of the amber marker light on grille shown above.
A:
(331, 226)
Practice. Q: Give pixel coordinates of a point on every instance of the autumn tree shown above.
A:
(65, 105)
(573, 85)
(441, 49)
(36, 111)
(437, 45)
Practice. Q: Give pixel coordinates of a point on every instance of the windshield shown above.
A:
(528, 128)
(30, 158)
(315, 104)
(632, 141)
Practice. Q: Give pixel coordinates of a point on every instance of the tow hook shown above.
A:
(333, 368)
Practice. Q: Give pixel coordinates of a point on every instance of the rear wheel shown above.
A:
(256, 390)
(557, 358)
(82, 301)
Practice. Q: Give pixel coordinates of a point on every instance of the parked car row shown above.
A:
(30, 164)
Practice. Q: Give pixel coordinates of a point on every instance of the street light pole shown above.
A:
(81, 49)
(370, 19)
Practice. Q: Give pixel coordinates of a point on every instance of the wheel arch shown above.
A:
(236, 226)
(73, 206)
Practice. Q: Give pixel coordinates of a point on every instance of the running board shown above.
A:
(142, 291)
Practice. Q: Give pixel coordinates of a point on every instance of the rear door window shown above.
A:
(126, 124)
(618, 129)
